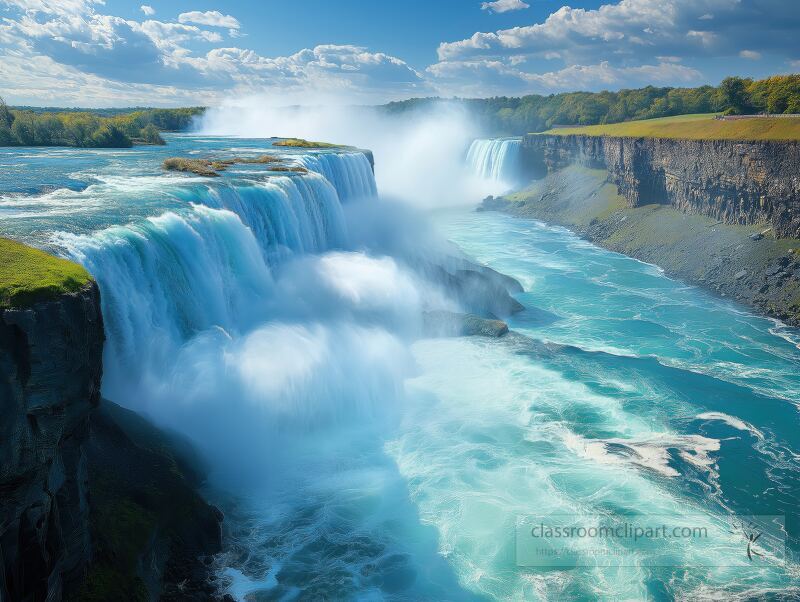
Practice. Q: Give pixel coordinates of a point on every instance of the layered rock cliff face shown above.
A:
(50, 369)
(96, 503)
(734, 182)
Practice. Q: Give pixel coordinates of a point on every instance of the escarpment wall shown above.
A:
(50, 370)
(734, 182)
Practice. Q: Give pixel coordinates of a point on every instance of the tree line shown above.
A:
(509, 116)
(28, 127)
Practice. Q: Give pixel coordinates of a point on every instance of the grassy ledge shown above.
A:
(301, 143)
(28, 275)
(211, 167)
(702, 126)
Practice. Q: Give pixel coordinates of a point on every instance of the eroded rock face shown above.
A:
(50, 370)
(734, 182)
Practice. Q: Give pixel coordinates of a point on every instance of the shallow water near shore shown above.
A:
(356, 460)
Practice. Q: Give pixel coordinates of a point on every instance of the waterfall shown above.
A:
(287, 214)
(167, 278)
(350, 173)
(495, 159)
(207, 265)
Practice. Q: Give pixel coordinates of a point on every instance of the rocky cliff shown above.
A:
(96, 503)
(734, 182)
(50, 369)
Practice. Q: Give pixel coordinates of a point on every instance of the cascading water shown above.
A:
(495, 159)
(349, 172)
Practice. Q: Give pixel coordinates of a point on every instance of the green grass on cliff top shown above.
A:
(694, 127)
(29, 275)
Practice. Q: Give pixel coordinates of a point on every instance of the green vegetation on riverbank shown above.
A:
(695, 127)
(90, 129)
(28, 275)
(502, 116)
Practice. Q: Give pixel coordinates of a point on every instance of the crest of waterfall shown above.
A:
(495, 159)
(287, 214)
(350, 173)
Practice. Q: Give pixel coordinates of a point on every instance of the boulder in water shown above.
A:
(447, 323)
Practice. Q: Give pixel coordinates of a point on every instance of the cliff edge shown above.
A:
(735, 261)
(50, 370)
(96, 503)
(736, 182)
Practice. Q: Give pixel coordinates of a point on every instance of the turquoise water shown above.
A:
(275, 320)
(653, 398)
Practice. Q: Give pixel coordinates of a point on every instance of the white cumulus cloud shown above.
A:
(212, 18)
(504, 6)
(149, 11)
(750, 55)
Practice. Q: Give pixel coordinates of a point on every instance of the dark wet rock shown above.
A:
(50, 369)
(95, 503)
(478, 289)
(448, 324)
(152, 532)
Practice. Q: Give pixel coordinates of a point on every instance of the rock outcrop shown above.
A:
(441, 323)
(95, 502)
(731, 181)
(152, 534)
(50, 370)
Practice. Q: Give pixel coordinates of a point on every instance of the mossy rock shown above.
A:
(210, 168)
(301, 143)
(28, 275)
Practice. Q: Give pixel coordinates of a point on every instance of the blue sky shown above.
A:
(165, 53)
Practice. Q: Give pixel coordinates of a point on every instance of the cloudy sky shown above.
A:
(178, 52)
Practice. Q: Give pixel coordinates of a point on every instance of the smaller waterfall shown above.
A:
(495, 159)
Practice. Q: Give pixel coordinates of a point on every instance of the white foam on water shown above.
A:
(731, 421)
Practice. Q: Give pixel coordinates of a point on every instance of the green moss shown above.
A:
(28, 275)
(104, 583)
(695, 127)
(301, 143)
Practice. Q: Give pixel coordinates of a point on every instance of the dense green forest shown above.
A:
(535, 113)
(28, 127)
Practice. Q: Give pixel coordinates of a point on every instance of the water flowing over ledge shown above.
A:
(496, 159)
